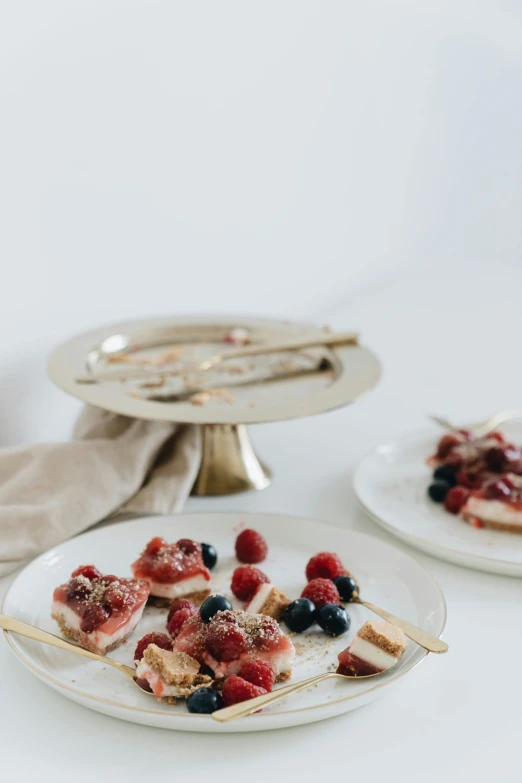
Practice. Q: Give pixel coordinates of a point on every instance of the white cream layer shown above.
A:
(260, 597)
(185, 586)
(372, 654)
(159, 687)
(492, 511)
(101, 640)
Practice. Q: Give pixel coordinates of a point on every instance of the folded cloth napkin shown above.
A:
(114, 464)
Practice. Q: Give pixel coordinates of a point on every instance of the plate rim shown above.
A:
(59, 686)
(418, 542)
(322, 401)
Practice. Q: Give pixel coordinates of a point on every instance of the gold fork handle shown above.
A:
(24, 629)
(336, 338)
(245, 708)
(423, 638)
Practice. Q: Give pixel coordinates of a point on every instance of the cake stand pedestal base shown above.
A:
(229, 463)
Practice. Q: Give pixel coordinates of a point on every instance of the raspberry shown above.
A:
(455, 499)
(88, 571)
(447, 443)
(497, 490)
(246, 580)
(497, 435)
(320, 592)
(251, 547)
(159, 639)
(94, 616)
(260, 673)
(179, 603)
(188, 546)
(114, 597)
(78, 589)
(155, 545)
(469, 480)
(237, 689)
(178, 618)
(226, 641)
(325, 565)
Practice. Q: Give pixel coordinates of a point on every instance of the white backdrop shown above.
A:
(267, 158)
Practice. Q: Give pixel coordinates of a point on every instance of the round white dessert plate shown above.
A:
(391, 484)
(388, 577)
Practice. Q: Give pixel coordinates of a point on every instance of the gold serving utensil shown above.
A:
(297, 343)
(417, 635)
(483, 428)
(31, 632)
(245, 708)
(422, 638)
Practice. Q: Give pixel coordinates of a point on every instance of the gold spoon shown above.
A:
(24, 629)
(340, 338)
(483, 428)
(245, 708)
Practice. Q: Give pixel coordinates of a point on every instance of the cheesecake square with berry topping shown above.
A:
(479, 479)
(497, 505)
(170, 675)
(377, 646)
(268, 600)
(174, 570)
(99, 612)
(231, 638)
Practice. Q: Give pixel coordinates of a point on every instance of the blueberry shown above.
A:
(438, 490)
(347, 586)
(213, 605)
(333, 619)
(204, 701)
(300, 615)
(209, 555)
(446, 473)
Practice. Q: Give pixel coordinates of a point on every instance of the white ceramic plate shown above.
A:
(391, 484)
(388, 577)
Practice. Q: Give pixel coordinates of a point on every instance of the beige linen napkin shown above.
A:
(49, 493)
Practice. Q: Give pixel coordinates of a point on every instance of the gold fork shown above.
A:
(483, 428)
(31, 632)
(331, 340)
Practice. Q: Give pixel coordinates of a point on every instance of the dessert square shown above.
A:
(480, 479)
(170, 675)
(99, 612)
(268, 600)
(231, 638)
(377, 646)
(173, 570)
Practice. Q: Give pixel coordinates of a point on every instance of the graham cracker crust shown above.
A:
(197, 598)
(177, 669)
(504, 528)
(275, 605)
(83, 639)
(384, 635)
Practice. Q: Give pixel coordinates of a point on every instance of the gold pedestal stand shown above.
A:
(229, 463)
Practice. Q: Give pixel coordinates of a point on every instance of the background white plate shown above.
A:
(388, 577)
(392, 482)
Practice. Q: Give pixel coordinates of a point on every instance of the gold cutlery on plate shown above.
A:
(422, 638)
(31, 632)
(481, 429)
(325, 340)
(245, 708)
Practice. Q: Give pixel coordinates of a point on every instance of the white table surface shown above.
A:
(457, 717)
